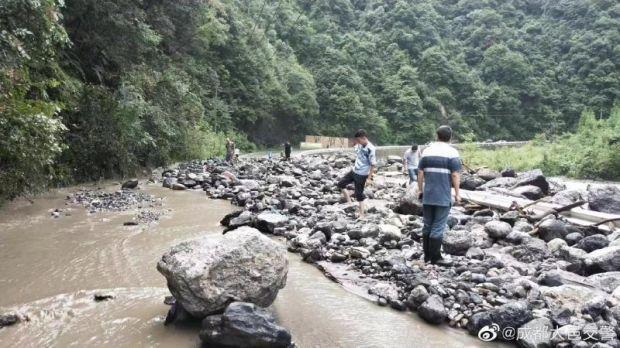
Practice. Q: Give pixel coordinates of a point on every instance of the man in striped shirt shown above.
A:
(438, 172)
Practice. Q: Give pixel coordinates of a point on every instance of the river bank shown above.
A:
(54, 266)
(511, 269)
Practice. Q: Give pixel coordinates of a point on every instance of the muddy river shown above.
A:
(52, 268)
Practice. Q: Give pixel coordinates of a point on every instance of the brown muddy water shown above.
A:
(52, 267)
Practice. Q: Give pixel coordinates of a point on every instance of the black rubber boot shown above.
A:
(435, 252)
(425, 247)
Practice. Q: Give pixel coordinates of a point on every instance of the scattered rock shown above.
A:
(456, 242)
(409, 204)
(433, 310)
(268, 222)
(551, 228)
(8, 319)
(244, 325)
(605, 199)
(130, 184)
(99, 297)
(497, 229)
(534, 178)
(593, 242)
(603, 260)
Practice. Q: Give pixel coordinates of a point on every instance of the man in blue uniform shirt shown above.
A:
(438, 172)
(362, 171)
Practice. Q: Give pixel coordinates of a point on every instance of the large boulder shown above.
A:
(603, 260)
(497, 229)
(267, 222)
(433, 310)
(206, 274)
(456, 242)
(244, 325)
(605, 199)
(409, 204)
(534, 177)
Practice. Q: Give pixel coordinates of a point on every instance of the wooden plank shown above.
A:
(578, 216)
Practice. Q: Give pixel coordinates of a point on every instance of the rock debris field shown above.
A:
(511, 275)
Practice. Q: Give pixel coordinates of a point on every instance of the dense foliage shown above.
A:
(592, 152)
(95, 88)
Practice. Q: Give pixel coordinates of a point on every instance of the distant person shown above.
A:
(438, 172)
(230, 150)
(410, 162)
(287, 150)
(362, 171)
(237, 153)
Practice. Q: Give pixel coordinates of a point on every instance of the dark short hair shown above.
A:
(360, 133)
(444, 133)
(414, 147)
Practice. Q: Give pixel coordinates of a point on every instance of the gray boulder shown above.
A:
(535, 178)
(470, 182)
(536, 334)
(456, 242)
(433, 310)
(497, 229)
(487, 174)
(499, 182)
(513, 314)
(8, 319)
(244, 325)
(418, 295)
(205, 274)
(168, 182)
(593, 242)
(603, 260)
(605, 199)
(130, 184)
(528, 191)
(550, 229)
(267, 222)
(389, 232)
(566, 197)
(178, 186)
(409, 204)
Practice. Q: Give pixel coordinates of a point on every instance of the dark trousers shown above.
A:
(359, 182)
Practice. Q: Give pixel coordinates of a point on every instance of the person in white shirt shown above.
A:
(410, 162)
(362, 171)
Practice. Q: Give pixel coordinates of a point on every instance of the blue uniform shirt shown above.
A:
(438, 162)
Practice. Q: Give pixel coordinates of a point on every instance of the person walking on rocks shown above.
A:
(410, 161)
(287, 151)
(230, 150)
(362, 171)
(438, 172)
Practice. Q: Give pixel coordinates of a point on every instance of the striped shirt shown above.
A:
(438, 162)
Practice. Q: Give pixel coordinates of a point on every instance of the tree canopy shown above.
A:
(96, 88)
